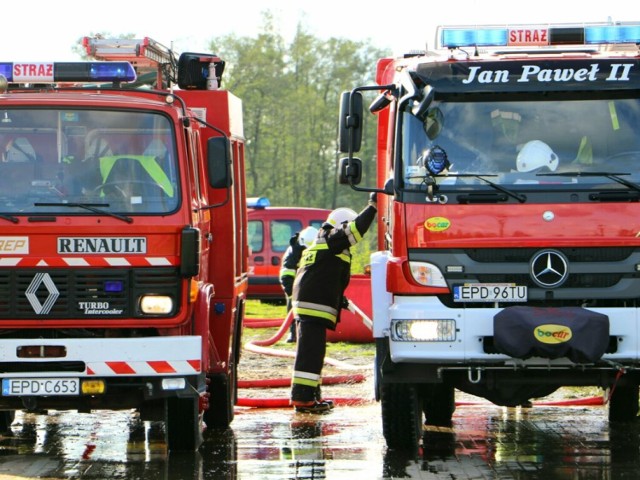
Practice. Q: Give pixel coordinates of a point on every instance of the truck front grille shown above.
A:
(81, 293)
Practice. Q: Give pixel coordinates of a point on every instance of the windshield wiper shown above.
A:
(10, 218)
(612, 176)
(519, 197)
(92, 207)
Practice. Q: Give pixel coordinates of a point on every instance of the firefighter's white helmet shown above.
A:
(307, 236)
(535, 155)
(341, 215)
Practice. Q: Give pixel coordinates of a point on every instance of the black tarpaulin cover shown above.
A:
(573, 332)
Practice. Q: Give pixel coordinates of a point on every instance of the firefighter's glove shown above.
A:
(373, 199)
(344, 303)
(294, 240)
(348, 304)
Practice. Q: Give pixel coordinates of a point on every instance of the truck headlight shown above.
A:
(423, 330)
(156, 304)
(173, 383)
(427, 274)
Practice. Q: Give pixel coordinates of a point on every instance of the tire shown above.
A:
(401, 416)
(183, 424)
(438, 404)
(222, 399)
(223, 387)
(382, 354)
(623, 405)
(6, 419)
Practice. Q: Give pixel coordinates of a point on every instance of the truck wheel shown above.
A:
(438, 404)
(6, 419)
(623, 405)
(222, 398)
(183, 424)
(401, 416)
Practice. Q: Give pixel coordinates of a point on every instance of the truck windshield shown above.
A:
(518, 143)
(120, 161)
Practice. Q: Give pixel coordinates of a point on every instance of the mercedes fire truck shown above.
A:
(123, 245)
(508, 166)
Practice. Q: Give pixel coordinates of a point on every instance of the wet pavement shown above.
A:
(486, 442)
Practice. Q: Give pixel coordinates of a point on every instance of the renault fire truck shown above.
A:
(508, 166)
(123, 247)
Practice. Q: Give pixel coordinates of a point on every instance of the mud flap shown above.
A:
(573, 332)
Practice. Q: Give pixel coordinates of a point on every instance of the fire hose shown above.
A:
(261, 347)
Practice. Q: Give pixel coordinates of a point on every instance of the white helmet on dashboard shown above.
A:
(536, 155)
(340, 216)
(307, 236)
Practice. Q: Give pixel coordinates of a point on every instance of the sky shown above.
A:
(45, 30)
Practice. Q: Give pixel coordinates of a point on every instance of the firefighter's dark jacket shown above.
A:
(325, 269)
(290, 261)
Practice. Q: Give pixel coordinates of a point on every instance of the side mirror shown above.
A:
(190, 252)
(219, 162)
(350, 171)
(388, 186)
(350, 123)
(419, 109)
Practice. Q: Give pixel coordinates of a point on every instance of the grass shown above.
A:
(342, 350)
(258, 309)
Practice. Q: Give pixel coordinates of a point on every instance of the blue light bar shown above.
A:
(471, 37)
(612, 34)
(53, 72)
(539, 35)
(258, 202)
(5, 70)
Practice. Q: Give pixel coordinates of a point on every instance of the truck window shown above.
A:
(499, 138)
(123, 161)
(281, 232)
(255, 231)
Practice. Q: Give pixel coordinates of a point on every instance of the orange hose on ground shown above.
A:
(259, 346)
(256, 346)
(261, 322)
(284, 327)
(286, 382)
(350, 402)
(285, 402)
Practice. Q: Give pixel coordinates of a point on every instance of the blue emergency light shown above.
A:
(53, 72)
(258, 202)
(536, 35)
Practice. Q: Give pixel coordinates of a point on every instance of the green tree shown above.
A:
(290, 96)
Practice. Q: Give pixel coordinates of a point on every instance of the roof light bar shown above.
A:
(536, 35)
(258, 202)
(52, 72)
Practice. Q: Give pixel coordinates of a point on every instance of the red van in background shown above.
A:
(269, 231)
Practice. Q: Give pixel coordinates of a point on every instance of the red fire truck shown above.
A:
(123, 247)
(509, 179)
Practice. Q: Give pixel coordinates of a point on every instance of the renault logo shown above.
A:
(549, 268)
(31, 293)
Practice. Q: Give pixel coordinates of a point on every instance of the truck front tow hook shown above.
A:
(474, 375)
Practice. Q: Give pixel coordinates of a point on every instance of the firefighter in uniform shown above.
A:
(290, 261)
(318, 296)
